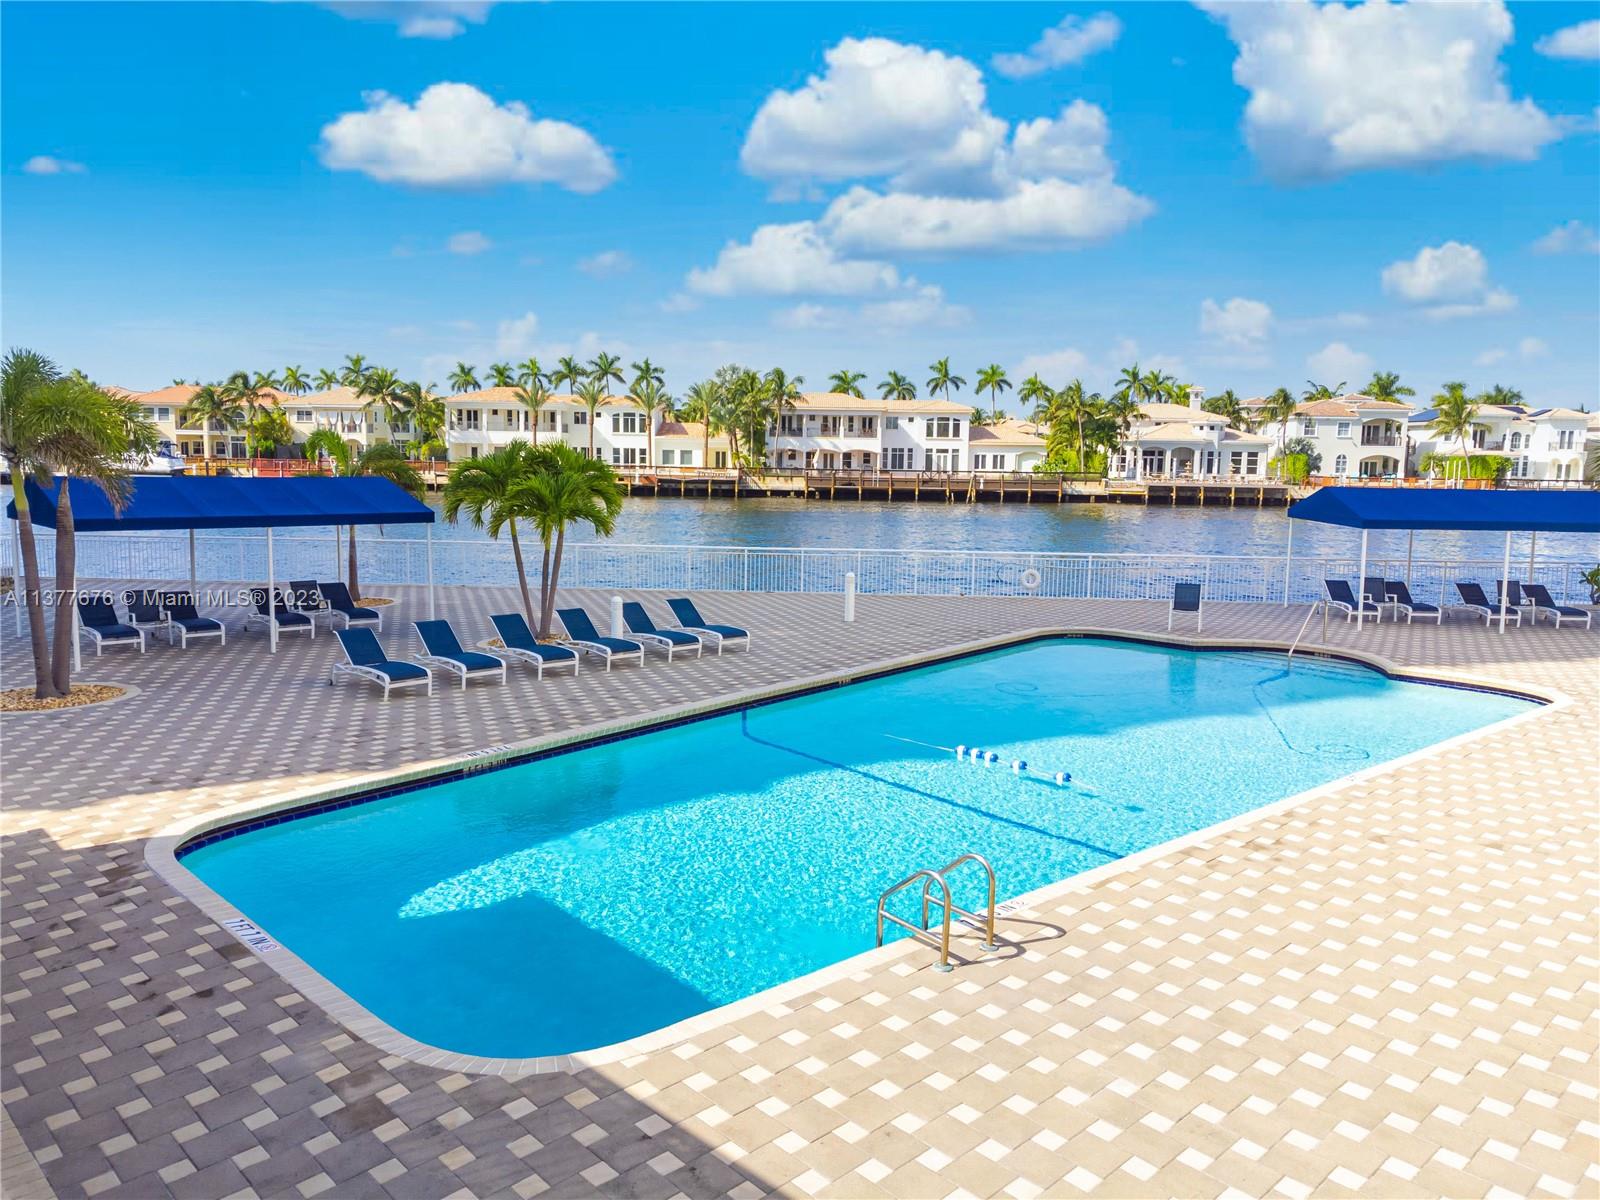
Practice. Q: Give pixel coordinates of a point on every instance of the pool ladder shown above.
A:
(929, 879)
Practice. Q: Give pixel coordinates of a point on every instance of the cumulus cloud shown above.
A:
(1335, 89)
(1489, 357)
(514, 338)
(1072, 41)
(1055, 367)
(457, 136)
(1450, 280)
(1532, 347)
(790, 260)
(923, 308)
(1572, 238)
(606, 263)
(1575, 41)
(436, 19)
(49, 164)
(468, 242)
(1337, 361)
(1237, 322)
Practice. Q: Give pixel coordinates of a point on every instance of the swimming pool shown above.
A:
(575, 900)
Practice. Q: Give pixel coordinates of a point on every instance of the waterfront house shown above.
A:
(1352, 435)
(832, 431)
(1184, 441)
(1540, 443)
(1007, 445)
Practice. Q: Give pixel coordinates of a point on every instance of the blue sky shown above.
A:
(1246, 196)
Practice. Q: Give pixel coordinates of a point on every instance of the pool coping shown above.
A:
(161, 850)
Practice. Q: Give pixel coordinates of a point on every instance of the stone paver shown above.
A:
(1386, 988)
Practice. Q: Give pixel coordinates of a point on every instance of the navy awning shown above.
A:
(1575, 511)
(226, 502)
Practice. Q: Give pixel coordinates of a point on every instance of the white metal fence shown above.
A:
(395, 560)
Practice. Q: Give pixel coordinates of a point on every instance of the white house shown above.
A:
(832, 431)
(1541, 443)
(1353, 435)
(1180, 440)
(1007, 445)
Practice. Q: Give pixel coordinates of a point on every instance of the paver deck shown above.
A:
(1386, 988)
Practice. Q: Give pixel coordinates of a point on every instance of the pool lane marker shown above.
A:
(250, 934)
(1018, 767)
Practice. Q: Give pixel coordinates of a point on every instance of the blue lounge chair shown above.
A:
(1474, 601)
(288, 621)
(185, 622)
(441, 648)
(144, 610)
(1512, 591)
(98, 621)
(306, 597)
(341, 606)
(583, 636)
(1375, 590)
(1539, 596)
(517, 641)
(1400, 597)
(365, 659)
(1342, 598)
(1186, 597)
(688, 617)
(642, 627)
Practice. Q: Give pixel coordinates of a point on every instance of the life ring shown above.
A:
(1031, 579)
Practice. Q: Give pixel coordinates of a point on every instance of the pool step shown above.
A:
(929, 878)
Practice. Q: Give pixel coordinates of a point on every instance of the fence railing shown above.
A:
(404, 560)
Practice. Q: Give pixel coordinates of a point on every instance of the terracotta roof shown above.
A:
(694, 431)
(1008, 432)
(838, 402)
(1350, 406)
(1159, 412)
(1185, 431)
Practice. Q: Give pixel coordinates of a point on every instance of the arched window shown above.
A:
(1341, 465)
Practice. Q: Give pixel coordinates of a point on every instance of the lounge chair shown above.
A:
(1512, 591)
(365, 659)
(184, 622)
(517, 641)
(98, 621)
(583, 636)
(1539, 596)
(642, 627)
(1400, 597)
(144, 610)
(288, 621)
(1341, 597)
(340, 605)
(1373, 589)
(306, 597)
(688, 617)
(441, 648)
(1186, 598)
(1474, 601)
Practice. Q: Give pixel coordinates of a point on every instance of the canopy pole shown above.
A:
(194, 583)
(272, 600)
(1533, 549)
(1288, 562)
(431, 610)
(1361, 583)
(1505, 582)
(1411, 540)
(338, 571)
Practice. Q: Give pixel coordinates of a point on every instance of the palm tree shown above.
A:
(943, 379)
(846, 383)
(1071, 404)
(211, 405)
(646, 371)
(427, 413)
(992, 379)
(355, 365)
(1386, 385)
(1279, 410)
(529, 371)
(605, 369)
(1036, 392)
(327, 380)
(591, 393)
(700, 404)
(1130, 383)
(463, 378)
(1500, 394)
(249, 393)
(501, 375)
(568, 371)
(1122, 410)
(51, 424)
(897, 387)
(295, 381)
(565, 489)
(1227, 407)
(493, 491)
(1158, 385)
(1454, 416)
(533, 394)
(382, 461)
(264, 381)
(781, 392)
(1321, 391)
(385, 391)
(651, 397)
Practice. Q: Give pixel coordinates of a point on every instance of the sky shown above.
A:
(1244, 195)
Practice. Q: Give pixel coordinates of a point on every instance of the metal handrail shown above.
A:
(1294, 645)
(949, 907)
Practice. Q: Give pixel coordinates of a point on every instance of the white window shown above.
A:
(900, 457)
(580, 418)
(1516, 442)
(163, 413)
(1343, 430)
(471, 418)
(891, 422)
(302, 416)
(1566, 439)
(667, 457)
(626, 456)
(980, 462)
(686, 458)
(1341, 465)
(627, 422)
(944, 427)
(1308, 428)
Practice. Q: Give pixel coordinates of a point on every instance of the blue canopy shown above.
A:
(226, 502)
(1574, 511)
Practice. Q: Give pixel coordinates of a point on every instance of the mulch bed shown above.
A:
(22, 699)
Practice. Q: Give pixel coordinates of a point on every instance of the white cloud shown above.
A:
(1337, 361)
(1055, 367)
(1338, 320)
(924, 308)
(790, 260)
(1527, 349)
(514, 338)
(1072, 41)
(679, 302)
(49, 164)
(1572, 238)
(1071, 146)
(1575, 41)
(1451, 279)
(1532, 347)
(469, 241)
(606, 263)
(1336, 89)
(436, 19)
(1489, 357)
(1237, 322)
(457, 136)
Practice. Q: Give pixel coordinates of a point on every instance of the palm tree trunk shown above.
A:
(522, 574)
(66, 594)
(536, 427)
(650, 440)
(705, 451)
(355, 581)
(544, 589)
(43, 684)
(554, 576)
(591, 434)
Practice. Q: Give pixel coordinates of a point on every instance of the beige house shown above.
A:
(1007, 445)
(1185, 441)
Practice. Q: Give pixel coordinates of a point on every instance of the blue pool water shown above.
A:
(576, 900)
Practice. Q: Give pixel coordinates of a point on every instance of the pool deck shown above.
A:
(1385, 987)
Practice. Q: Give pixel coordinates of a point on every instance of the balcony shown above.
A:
(1371, 437)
